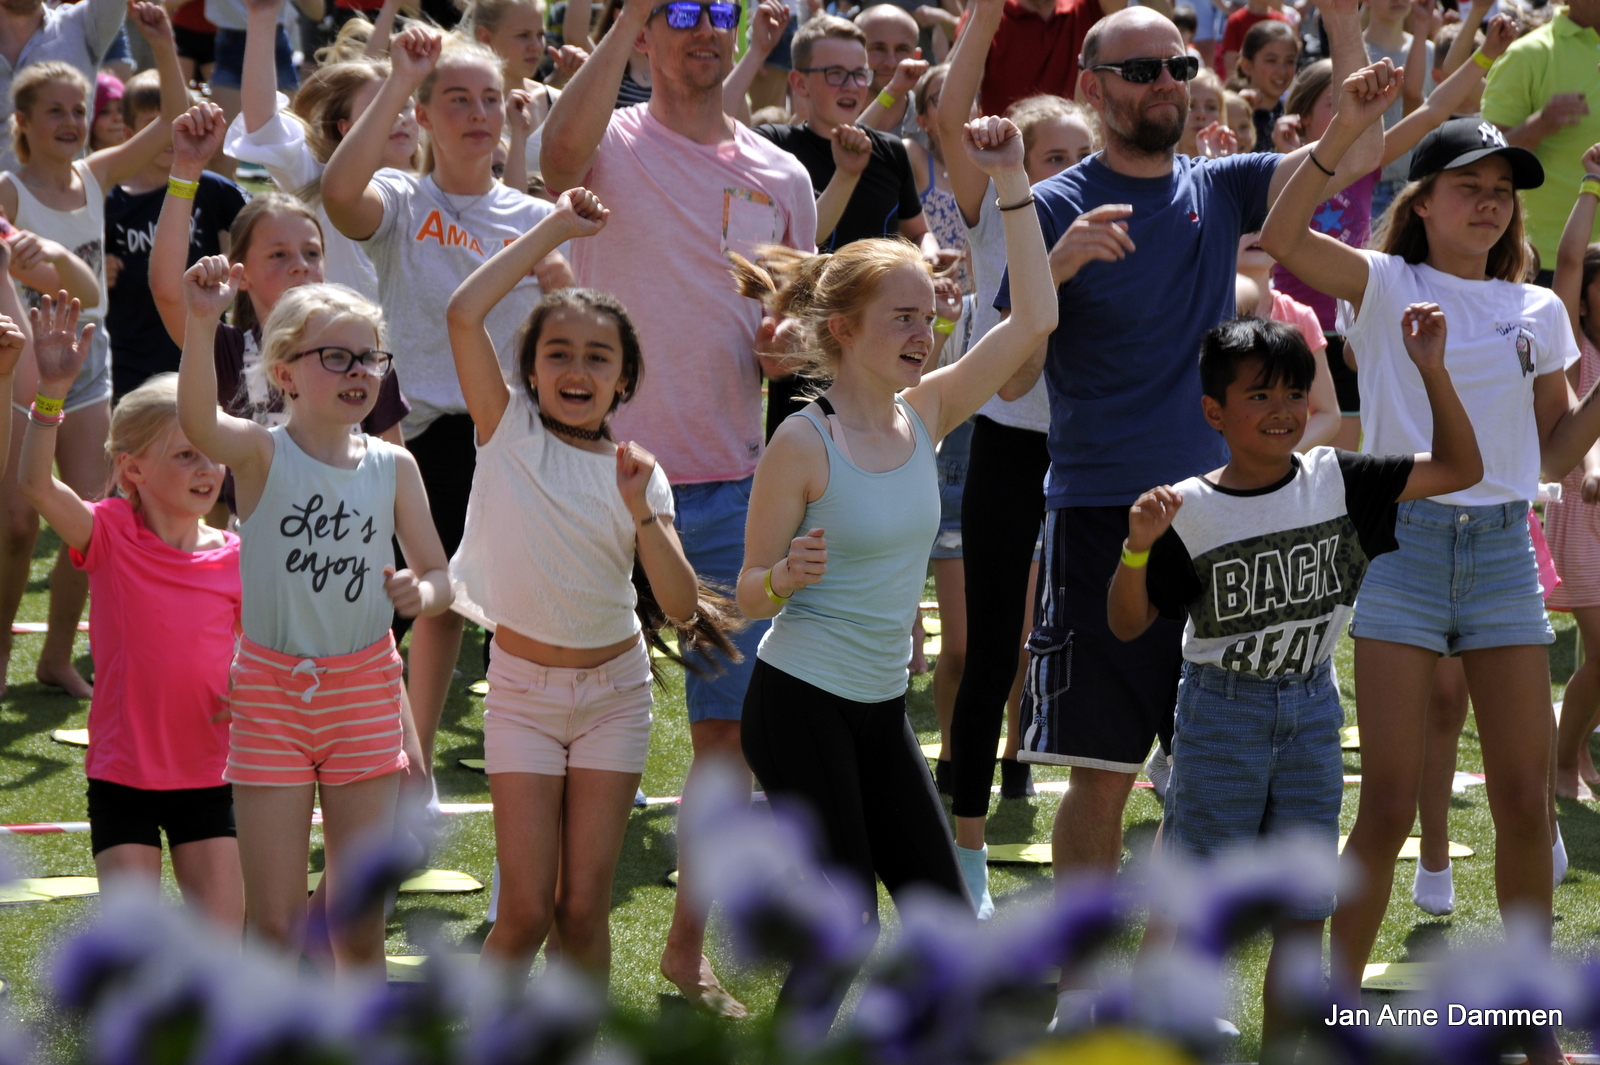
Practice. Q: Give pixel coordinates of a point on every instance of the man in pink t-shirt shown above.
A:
(685, 185)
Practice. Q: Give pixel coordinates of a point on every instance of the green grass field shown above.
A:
(43, 781)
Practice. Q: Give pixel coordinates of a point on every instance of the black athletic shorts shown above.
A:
(447, 454)
(1344, 378)
(119, 814)
(1089, 699)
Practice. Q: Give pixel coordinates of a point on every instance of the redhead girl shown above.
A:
(62, 197)
(844, 508)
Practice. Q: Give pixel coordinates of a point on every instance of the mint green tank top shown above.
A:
(850, 633)
(311, 556)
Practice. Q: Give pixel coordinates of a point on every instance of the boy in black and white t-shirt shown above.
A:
(1264, 558)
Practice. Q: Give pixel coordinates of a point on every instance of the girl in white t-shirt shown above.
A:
(1465, 580)
(558, 511)
(425, 234)
(295, 143)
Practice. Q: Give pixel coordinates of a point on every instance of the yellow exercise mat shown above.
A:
(429, 881)
(1350, 737)
(474, 764)
(72, 737)
(1411, 849)
(931, 750)
(1021, 853)
(479, 687)
(1397, 976)
(45, 888)
(407, 968)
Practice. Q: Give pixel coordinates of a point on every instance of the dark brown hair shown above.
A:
(1401, 232)
(583, 299)
(1307, 88)
(1259, 36)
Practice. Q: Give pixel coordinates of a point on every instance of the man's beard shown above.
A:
(1147, 136)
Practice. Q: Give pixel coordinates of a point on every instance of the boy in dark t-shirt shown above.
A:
(1263, 558)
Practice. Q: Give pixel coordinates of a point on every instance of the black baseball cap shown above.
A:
(1463, 141)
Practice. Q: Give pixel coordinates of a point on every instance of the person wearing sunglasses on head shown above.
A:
(679, 175)
(1144, 249)
(862, 177)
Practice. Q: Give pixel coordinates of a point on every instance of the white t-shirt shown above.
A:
(549, 544)
(281, 147)
(1502, 335)
(987, 242)
(426, 245)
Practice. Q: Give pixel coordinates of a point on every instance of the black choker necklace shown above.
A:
(563, 429)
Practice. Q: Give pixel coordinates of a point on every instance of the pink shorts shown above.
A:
(330, 720)
(538, 719)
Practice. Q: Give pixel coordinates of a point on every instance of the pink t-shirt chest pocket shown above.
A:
(750, 219)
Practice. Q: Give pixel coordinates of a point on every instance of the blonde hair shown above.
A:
(458, 51)
(814, 288)
(348, 45)
(1401, 232)
(324, 100)
(25, 91)
(283, 336)
(142, 419)
(1031, 112)
(819, 28)
(242, 234)
(489, 14)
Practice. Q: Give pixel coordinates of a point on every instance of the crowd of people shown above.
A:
(708, 329)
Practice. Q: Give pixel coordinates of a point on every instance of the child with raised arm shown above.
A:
(165, 615)
(1465, 580)
(316, 702)
(1263, 559)
(559, 511)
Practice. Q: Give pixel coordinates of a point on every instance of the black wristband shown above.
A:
(1312, 155)
(1015, 206)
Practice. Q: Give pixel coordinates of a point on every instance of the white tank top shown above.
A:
(82, 230)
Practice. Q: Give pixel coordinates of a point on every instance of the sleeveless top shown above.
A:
(943, 216)
(312, 554)
(850, 633)
(82, 231)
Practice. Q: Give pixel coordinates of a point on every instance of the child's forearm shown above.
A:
(832, 203)
(736, 86)
(1416, 73)
(1466, 40)
(258, 90)
(168, 259)
(1455, 444)
(197, 382)
(1289, 221)
(382, 29)
(360, 155)
(76, 277)
(1128, 610)
(672, 578)
(437, 596)
(490, 283)
(1568, 283)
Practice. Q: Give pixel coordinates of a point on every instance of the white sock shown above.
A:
(1434, 892)
(1558, 858)
(1074, 1010)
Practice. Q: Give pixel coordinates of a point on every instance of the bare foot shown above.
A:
(1571, 786)
(1586, 769)
(704, 991)
(66, 678)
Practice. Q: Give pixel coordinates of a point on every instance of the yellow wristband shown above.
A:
(1134, 559)
(47, 406)
(887, 98)
(1482, 60)
(944, 326)
(1590, 183)
(182, 190)
(774, 596)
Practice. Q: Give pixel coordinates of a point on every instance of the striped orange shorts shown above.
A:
(330, 720)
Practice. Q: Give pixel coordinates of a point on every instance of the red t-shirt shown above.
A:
(1239, 24)
(162, 624)
(1030, 56)
(192, 16)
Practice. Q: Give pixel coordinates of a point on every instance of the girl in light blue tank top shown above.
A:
(843, 512)
(315, 696)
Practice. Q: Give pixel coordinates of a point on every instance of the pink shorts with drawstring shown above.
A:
(539, 719)
(333, 720)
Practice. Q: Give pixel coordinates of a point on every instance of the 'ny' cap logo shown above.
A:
(1492, 137)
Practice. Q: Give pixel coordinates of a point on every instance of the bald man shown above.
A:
(1146, 243)
(891, 38)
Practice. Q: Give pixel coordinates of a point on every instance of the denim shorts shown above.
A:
(1253, 758)
(228, 71)
(710, 522)
(954, 452)
(1465, 578)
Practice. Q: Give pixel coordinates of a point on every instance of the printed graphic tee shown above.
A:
(1267, 578)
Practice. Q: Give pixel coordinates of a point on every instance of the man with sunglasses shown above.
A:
(862, 177)
(1145, 247)
(685, 185)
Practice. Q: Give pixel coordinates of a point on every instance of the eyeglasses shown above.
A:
(685, 14)
(339, 360)
(1144, 71)
(839, 76)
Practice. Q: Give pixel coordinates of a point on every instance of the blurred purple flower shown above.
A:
(552, 1021)
(378, 866)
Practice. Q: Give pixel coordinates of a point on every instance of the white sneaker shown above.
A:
(1074, 1010)
(1434, 892)
(1159, 769)
(1558, 859)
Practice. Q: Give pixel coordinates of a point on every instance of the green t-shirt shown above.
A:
(1559, 57)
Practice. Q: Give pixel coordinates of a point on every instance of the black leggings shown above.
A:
(858, 768)
(1001, 509)
(447, 454)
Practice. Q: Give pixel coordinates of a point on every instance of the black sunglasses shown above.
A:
(1144, 71)
(838, 76)
(339, 360)
(685, 14)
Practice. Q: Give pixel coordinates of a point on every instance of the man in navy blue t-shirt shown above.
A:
(1144, 252)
